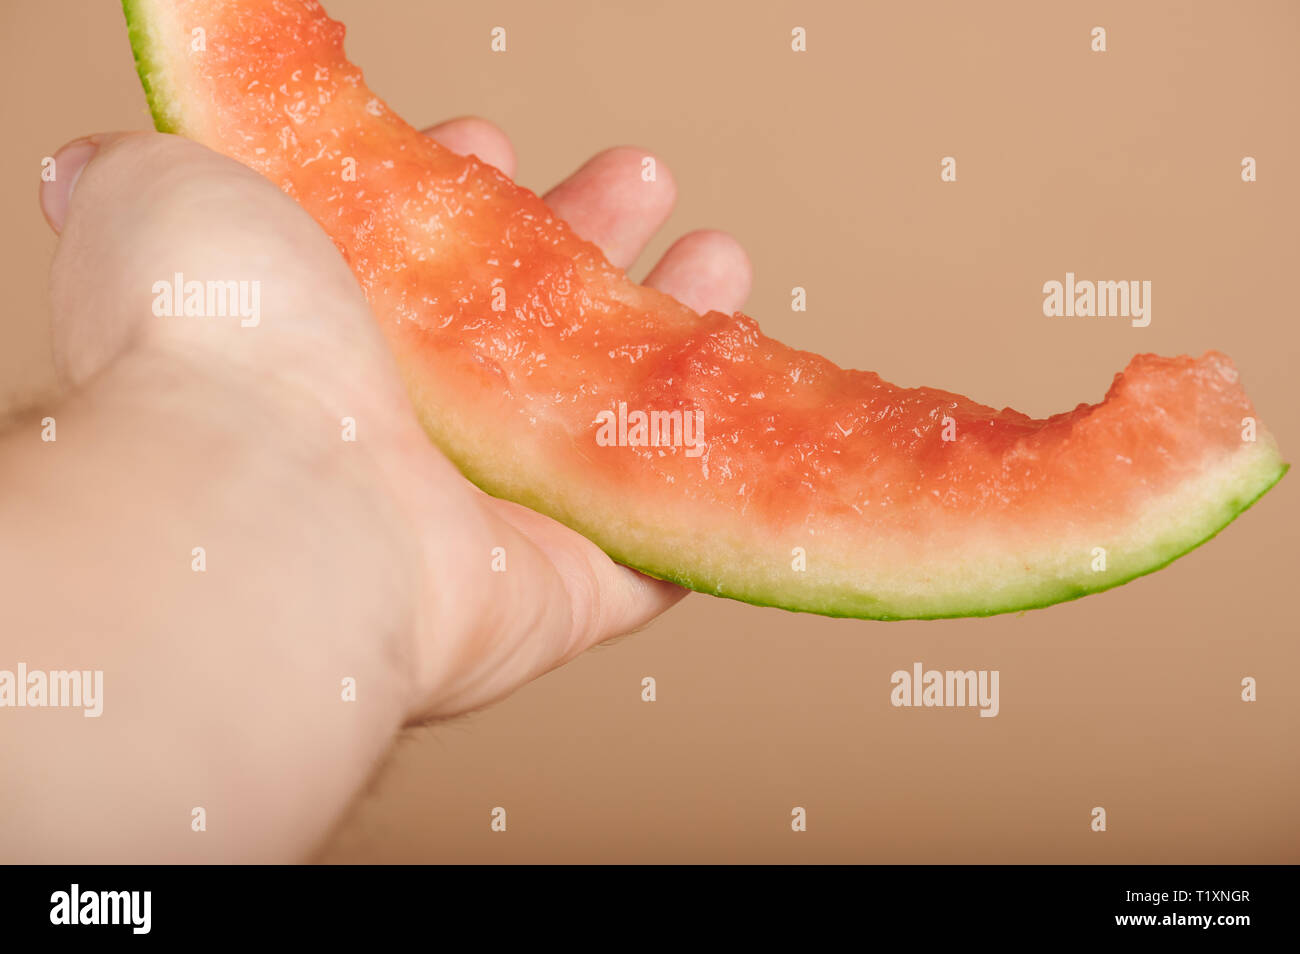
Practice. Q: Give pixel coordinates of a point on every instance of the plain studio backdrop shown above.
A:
(1122, 165)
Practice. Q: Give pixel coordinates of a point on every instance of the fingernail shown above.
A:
(56, 194)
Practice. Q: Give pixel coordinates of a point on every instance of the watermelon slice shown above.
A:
(693, 447)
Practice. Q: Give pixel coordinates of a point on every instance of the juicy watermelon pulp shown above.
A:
(813, 487)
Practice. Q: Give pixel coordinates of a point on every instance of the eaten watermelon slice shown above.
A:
(693, 447)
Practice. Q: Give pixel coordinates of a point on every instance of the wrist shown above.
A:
(269, 676)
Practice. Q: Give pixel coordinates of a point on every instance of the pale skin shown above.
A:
(325, 560)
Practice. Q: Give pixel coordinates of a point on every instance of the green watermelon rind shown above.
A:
(147, 67)
(1235, 509)
(1249, 485)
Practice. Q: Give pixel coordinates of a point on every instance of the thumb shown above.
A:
(139, 213)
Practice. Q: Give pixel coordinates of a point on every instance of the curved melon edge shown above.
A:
(1217, 497)
(146, 24)
(1155, 556)
(1241, 489)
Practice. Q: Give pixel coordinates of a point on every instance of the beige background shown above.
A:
(1122, 165)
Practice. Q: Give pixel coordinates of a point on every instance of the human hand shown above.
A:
(149, 206)
(201, 533)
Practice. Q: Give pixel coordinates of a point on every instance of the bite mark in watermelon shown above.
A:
(895, 521)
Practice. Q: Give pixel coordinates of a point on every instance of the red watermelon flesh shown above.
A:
(811, 487)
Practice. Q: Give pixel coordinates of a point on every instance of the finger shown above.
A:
(69, 162)
(472, 136)
(617, 200)
(605, 599)
(706, 271)
(561, 596)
